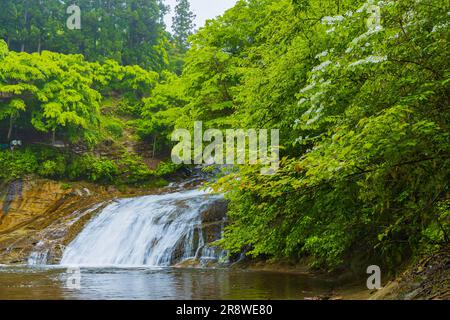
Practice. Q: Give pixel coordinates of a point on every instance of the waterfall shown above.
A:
(155, 230)
(39, 255)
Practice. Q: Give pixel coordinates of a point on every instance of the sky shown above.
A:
(203, 9)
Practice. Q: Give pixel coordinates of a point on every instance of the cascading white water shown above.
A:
(156, 230)
(39, 255)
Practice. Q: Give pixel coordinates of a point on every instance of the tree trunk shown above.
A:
(53, 137)
(11, 121)
(25, 22)
(154, 147)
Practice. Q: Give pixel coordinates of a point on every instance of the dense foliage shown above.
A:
(369, 129)
(51, 96)
(364, 117)
(52, 92)
(46, 162)
(130, 32)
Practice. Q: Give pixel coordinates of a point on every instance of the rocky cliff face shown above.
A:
(42, 215)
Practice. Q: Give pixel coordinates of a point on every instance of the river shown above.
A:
(51, 282)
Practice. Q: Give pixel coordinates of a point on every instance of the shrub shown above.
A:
(103, 170)
(77, 168)
(66, 186)
(17, 164)
(114, 127)
(52, 168)
(133, 169)
(93, 169)
(165, 168)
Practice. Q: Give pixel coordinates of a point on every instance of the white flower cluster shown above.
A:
(395, 36)
(369, 59)
(332, 20)
(367, 34)
(440, 26)
(301, 101)
(388, 3)
(349, 14)
(317, 114)
(321, 66)
(363, 7)
(322, 54)
(308, 87)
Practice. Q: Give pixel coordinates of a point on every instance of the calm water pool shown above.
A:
(158, 284)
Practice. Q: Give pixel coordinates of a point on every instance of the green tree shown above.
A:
(183, 23)
(51, 90)
(161, 111)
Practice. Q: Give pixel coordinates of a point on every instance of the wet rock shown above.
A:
(216, 212)
(87, 192)
(210, 229)
(84, 192)
(111, 189)
(213, 231)
(12, 192)
(77, 192)
(425, 280)
(412, 295)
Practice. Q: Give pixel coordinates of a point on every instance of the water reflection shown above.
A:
(158, 284)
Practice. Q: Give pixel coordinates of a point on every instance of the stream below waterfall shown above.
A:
(151, 247)
(157, 284)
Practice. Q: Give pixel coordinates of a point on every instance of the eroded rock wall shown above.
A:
(39, 213)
